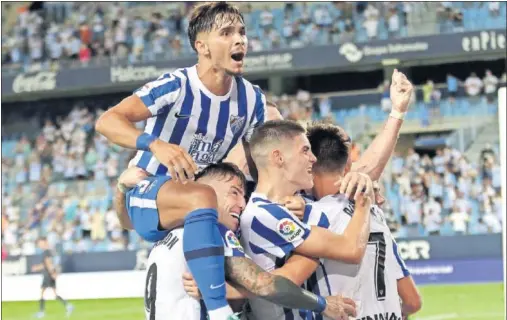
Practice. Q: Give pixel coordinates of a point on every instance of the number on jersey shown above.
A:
(377, 239)
(150, 291)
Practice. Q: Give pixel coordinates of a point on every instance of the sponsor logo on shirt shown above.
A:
(289, 230)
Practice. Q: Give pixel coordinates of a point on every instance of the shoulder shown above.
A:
(167, 82)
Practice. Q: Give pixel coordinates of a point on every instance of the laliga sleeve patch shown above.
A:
(232, 241)
(289, 230)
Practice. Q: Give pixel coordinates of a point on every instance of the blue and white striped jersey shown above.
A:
(186, 113)
(373, 283)
(269, 234)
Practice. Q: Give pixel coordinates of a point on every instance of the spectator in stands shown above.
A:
(473, 87)
(491, 220)
(490, 85)
(432, 216)
(494, 8)
(371, 16)
(459, 220)
(393, 23)
(452, 87)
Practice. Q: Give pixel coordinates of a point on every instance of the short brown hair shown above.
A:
(204, 18)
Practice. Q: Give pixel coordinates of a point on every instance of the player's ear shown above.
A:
(277, 157)
(201, 46)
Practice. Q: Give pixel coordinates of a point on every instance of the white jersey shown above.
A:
(165, 296)
(269, 234)
(205, 125)
(373, 283)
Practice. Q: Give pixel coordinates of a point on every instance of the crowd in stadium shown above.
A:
(80, 33)
(61, 182)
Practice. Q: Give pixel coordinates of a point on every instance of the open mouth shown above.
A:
(238, 56)
(234, 215)
(309, 170)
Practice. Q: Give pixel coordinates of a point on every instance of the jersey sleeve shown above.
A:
(260, 112)
(400, 269)
(160, 95)
(315, 216)
(232, 246)
(276, 231)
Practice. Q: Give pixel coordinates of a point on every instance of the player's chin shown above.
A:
(236, 68)
(307, 183)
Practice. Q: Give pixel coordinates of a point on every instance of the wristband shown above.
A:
(397, 115)
(144, 140)
(322, 304)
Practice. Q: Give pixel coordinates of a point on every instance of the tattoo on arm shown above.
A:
(245, 273)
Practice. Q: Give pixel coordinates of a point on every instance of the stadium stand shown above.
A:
(79, 34)
(68, 171)
(58, 175)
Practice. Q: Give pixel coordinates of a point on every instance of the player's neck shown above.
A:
(323, 185)
(275, 188)
(216, 81)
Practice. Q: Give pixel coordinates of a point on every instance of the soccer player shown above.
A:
(195, 117)
(49, 273)
(165, 295)
(270, 233)
(381, 278)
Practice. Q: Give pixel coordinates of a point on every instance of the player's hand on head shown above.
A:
(132, 176)
(295, 204)
(179, 163)
(356, 185)
(340, 308)
(400, 91)
(191, 286)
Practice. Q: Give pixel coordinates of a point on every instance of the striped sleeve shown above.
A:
(313, 216)
(260, 112)
(276, 231)
(160, 95)
(400, 269)
(232, 247)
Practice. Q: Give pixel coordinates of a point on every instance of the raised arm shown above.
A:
(375, 158)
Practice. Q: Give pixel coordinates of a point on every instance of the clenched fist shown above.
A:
(401, 90)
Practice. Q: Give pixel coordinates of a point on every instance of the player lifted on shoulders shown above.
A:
(165, 291)
(195, 116)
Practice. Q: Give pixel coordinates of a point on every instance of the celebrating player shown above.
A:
(195, 116)
(381, 278)
(49, 273)
(165, 292)
(270, 233)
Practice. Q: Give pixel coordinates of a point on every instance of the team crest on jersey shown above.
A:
(236, 123)
(232, 241)
(289, 230)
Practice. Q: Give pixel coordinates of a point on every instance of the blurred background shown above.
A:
(64, 63)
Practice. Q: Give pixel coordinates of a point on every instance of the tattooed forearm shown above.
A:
(121, 210)
(276, 289)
